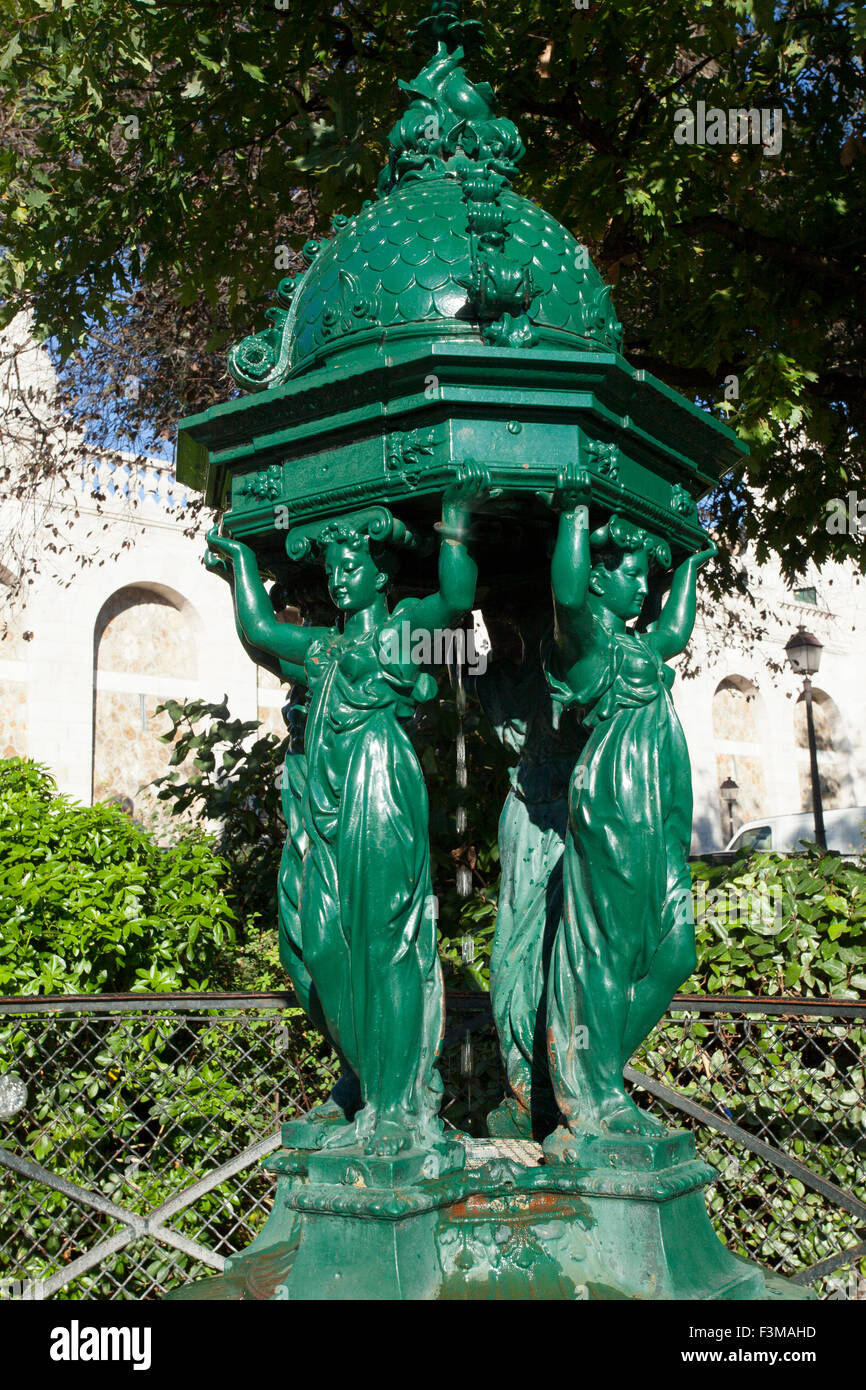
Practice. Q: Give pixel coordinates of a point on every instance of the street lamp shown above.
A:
(728, 792)
(804, 654)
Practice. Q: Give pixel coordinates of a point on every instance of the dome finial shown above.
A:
(444, 25)
(447, 242)
(450, 127)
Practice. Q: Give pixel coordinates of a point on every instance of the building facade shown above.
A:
(744, 715)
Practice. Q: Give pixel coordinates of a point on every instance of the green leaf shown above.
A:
(11, 51)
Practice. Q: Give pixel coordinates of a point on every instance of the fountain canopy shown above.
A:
(450, 318)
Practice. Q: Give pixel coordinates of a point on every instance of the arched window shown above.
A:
(825, 717)
(738, 720)
(734, 709)
(144, 652)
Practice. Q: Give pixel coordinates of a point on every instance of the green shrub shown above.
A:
(770, 924)
(234, 789)
(90, 902)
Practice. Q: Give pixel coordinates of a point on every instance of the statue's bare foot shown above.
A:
(388, 1138)
(347, 1136)
(622, 1116)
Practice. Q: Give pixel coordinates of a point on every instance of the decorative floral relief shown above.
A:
(682, 501)
(606, 459)
(265, 486)
(408, 453)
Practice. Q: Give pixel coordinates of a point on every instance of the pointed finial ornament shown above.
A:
(447, 210)
(444, 25)
(450, 128)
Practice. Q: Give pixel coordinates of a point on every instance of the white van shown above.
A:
(845, 832)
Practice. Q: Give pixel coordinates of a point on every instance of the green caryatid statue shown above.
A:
(357, 916)
(346, 1096)
(532, 830)
(626, 938)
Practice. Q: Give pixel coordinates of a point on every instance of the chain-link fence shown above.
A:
(132, 1129)
(775, 1091)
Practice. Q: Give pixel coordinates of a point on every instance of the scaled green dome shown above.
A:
(448, 250)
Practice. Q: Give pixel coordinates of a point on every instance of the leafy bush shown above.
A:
(90, 902)
(234, 790)
(769, 924)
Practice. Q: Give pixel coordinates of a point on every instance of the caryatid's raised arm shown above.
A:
(571, 571)
(570, 565)
(257, 624)
(670, 634)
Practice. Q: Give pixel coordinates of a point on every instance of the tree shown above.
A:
(167, 151)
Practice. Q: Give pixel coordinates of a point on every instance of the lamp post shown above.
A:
(728, 792)
(804, 654)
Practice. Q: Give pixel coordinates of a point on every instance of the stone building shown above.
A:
(119, 616)
(744, 716)
(92, 648)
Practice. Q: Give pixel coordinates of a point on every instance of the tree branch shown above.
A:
(787, 253)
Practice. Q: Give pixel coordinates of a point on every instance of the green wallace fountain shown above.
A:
(441, 404)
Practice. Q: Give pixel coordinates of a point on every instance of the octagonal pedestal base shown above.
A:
(510, 1225)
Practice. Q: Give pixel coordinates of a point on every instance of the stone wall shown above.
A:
(13, 719)
(743, 713)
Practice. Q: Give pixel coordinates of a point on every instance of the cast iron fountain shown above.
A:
(444, 387)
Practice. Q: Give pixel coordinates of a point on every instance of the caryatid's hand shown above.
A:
(222, 553)
(470, 487)
(213, 561)
(573, 488)
(709, 550)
